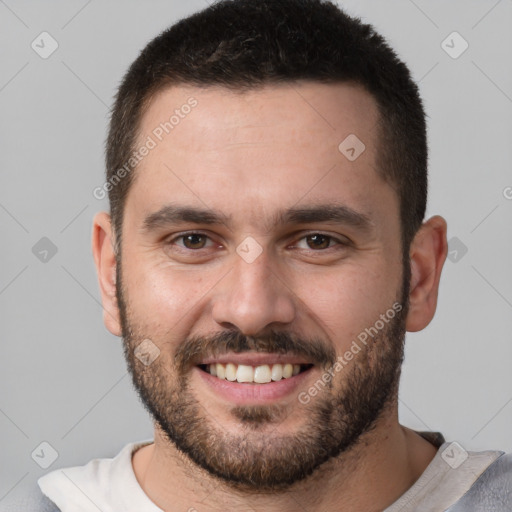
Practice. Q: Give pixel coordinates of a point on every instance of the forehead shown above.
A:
(258, 150)
(234, 116)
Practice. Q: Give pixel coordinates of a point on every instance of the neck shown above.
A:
(369, 477)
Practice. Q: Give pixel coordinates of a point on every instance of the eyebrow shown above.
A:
(172, 214)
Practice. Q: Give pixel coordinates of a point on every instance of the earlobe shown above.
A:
(427, 256)
(105, 261)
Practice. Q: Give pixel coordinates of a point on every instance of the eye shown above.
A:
(319, 241)
(193, 241)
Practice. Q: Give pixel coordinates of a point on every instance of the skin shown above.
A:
(250, 155)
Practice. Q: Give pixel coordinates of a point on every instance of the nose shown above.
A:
(254, 297)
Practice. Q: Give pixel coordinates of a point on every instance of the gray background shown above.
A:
(62, 374)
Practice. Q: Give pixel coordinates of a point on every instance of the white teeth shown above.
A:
(257, 374)
(244, 373)
(287, 371)
(262, 374)
(230, 372)
(221, 370)
(277, 371)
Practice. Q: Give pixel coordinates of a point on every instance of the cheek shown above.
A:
(164, 297)
(349, 300)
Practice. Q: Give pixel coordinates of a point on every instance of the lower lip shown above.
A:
(250, 393)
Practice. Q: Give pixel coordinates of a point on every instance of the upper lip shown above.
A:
(255, 359)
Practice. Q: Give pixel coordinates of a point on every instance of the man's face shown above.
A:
(265, 277)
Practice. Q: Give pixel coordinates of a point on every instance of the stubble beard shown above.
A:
(259, 458)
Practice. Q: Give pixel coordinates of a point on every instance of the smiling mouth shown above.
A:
(261, 374)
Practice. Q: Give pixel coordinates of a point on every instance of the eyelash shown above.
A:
(331, 238)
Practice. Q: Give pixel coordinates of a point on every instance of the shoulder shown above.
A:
(28, 499)
(491, 491)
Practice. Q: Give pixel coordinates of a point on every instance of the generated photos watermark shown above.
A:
(151, 142)
(342, 361)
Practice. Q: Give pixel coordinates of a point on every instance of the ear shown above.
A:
(427, 253)
(104, 258)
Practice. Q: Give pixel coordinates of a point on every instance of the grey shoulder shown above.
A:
(29, 499)
(492, 491)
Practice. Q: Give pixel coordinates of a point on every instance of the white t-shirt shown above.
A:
(110, 485)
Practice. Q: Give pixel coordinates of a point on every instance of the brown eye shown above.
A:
(194, 241)
(318, 241)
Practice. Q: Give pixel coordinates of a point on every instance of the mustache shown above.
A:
(195, 349)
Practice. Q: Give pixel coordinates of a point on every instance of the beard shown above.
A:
(258, 458)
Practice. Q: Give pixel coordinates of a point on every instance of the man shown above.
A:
(265, 253)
